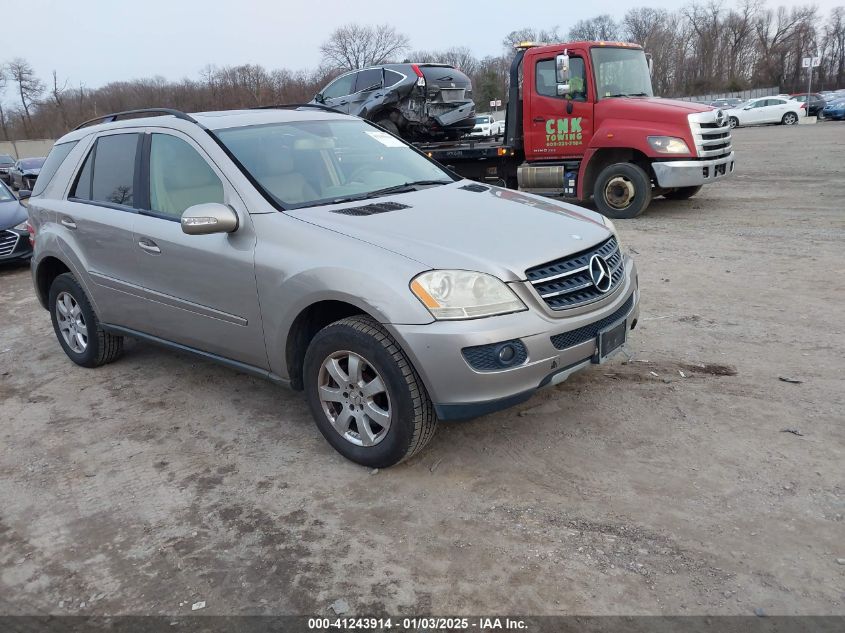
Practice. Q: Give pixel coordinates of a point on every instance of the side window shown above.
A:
(179, 177)
(547, 82)
(54, 160)
(391, 78)
(368, 79)
(112, 161)
(340, 87)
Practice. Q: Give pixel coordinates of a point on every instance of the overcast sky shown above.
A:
(96, 41)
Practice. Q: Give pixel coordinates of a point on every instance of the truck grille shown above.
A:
(8, 242)
(712, 139)
(566, 283)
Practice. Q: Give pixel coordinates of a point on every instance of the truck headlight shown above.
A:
(668, 145)
(464, 294)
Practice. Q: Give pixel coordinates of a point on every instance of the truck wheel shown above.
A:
(77, 327)
(733, 122)
(364, 394)
(622, 191)
(682, 193)
(388, 125)
(790, 118)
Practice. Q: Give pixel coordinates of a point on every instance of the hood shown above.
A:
(496, 231)
(648, 109)
(12, 213)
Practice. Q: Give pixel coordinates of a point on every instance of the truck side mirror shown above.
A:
(562, 68)
(650, 61)
(562, 90)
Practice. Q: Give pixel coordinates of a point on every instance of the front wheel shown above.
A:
(367, 399)
(622, 191)
(682, 193)
(733, 122)
(790, 118)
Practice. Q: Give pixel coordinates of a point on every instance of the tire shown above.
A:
(68, 302)
(820, 115)
(733, 122)
(388, 125)
(622, 191)
(410, 415)
(790, 118)
(682, 193)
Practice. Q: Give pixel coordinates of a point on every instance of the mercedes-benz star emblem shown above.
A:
(600, 273)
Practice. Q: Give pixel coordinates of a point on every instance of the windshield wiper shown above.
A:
(630, 94)
(403, 188)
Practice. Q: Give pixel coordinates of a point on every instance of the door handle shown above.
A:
(68, 222)
(539, 119)
(149, 246)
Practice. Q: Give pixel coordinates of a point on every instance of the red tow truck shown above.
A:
(582, 122)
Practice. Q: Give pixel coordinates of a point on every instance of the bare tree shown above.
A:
(530, 34)
(458, 56)
(57, 94)
(30, 87)
(601, 27)
(355, 46)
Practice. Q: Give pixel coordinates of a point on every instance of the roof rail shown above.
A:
(296, 106)
(108, 118)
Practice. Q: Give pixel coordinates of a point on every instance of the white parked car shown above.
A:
(767, 110)
(486, 126)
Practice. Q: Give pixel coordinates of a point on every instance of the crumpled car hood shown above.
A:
(498, 231)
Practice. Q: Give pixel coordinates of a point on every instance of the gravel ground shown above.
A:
(663, 484)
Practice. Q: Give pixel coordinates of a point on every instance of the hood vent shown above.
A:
(475, 188)
(372, 209)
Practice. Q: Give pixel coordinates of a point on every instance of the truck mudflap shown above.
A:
(692, 173)
(454, 115)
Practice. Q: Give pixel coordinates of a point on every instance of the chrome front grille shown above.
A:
(567, 283)
(8, 242)
(712, 137)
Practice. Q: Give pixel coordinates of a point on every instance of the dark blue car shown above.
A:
(835, 110)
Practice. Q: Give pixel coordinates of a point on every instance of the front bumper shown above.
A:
(14, 245)
(460, 392)
(692, 173)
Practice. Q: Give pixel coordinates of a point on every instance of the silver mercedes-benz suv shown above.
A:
(319, 251)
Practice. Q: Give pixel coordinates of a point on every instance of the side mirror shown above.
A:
(562, 68)
(319, 98)
(208, 218)
(562, 89)
(23, 194)
(650, 61)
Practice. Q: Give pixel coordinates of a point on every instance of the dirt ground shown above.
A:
(649, 486)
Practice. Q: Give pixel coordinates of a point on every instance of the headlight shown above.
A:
(613, 230)
(21, 226)
(463, 294)
(668, 145)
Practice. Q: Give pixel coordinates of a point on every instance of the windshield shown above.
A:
(32, 163)
(305, 163)
(5, 159)
(481, 119)
(621, 72)
(5, 194)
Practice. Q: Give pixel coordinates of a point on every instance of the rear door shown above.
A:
(199, 290)
(96, 223)
(551, 131)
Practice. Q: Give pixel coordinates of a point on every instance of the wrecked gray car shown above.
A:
(415, 101)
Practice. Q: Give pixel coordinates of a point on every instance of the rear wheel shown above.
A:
(682, 193)
(77, 327)
(364, 394)
(622, 191)
(790, 118)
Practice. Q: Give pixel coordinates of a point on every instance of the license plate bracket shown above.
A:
(610, 340)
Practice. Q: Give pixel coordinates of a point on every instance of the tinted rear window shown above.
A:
(54, 160)
(31, 163)
(112, 161)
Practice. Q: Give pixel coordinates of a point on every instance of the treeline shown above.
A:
(703, 47)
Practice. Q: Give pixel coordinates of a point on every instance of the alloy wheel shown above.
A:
(71, 322)
(354, 398)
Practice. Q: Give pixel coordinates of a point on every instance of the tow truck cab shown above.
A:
(582, 121)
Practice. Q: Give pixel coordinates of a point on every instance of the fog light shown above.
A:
(507, 354)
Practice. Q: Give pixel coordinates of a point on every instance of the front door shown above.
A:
(338, 94)
(199, 290)
(557, 126)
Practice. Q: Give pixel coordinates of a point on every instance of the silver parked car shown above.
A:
(319, 251)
